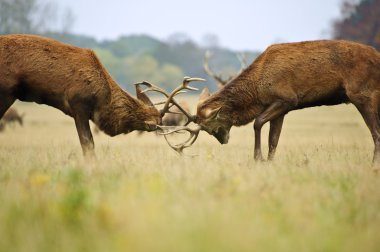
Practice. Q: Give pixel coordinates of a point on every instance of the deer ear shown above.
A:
(205, 93)
(142, 96)
(212, 113)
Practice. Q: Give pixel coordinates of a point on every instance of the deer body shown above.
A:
(71, 79)
(293, 76)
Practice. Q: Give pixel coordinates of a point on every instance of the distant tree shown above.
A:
(139, 68)
(360, 22)
(170, 76)
(32, 16)
(146, 67)
(74, 39)
(178, 38)
(113, 64)
(68, 20)
(210, 41)
(131, 45)
(22, 16)
(187, 56)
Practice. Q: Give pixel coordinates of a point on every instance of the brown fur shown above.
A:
(71, 79)
(293, 76)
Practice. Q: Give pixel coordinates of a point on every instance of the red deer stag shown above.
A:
(71, 79)
(293, 76)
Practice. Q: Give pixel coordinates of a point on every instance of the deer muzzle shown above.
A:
(150, 126)
(222, 135)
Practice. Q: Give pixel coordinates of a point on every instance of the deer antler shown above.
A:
(170, 101)
(170, 97)
(180, 147)
(243, 62)
(220, 82)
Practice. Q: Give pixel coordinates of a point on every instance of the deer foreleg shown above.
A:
(275, 111)
(85, 137)
(257, 151)
(369, 111)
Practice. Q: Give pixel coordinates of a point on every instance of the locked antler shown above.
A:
(180, 147)
(170, 101)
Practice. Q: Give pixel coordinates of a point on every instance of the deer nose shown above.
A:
(150, 125)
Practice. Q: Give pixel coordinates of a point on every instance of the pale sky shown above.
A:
(239, 24)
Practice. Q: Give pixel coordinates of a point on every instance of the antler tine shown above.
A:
(159, 103)
(219, 80)
(179, 89)
(170, 97)
(152, 87)
(187, 80)
(243, 61)
(189, 142)
(175, 113)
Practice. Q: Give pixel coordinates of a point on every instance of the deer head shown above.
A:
(211, 119)
(152, 115)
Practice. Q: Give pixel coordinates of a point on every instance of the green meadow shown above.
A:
(319, 194)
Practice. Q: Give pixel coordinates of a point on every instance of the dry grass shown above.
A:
(318, 195)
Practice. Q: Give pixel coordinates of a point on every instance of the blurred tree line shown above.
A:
(129, 59)
(134, 58)
(33, 16)
(360, 22)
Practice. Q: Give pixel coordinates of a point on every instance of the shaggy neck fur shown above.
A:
(122, 114)
(119, 112)
(238, 102)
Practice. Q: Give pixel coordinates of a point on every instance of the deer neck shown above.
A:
(118, 114)
(239, 102)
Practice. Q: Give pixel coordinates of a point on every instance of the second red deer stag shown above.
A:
(71, 79)
(220, 82)
(293, 76)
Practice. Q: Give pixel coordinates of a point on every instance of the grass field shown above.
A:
(319, 194)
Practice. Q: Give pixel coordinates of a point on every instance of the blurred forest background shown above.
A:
(134, 58)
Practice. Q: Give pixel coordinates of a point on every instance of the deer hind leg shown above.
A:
(274, 113)
(369, 110)
(84, 132)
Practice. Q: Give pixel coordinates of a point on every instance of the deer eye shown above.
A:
(196, 119)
